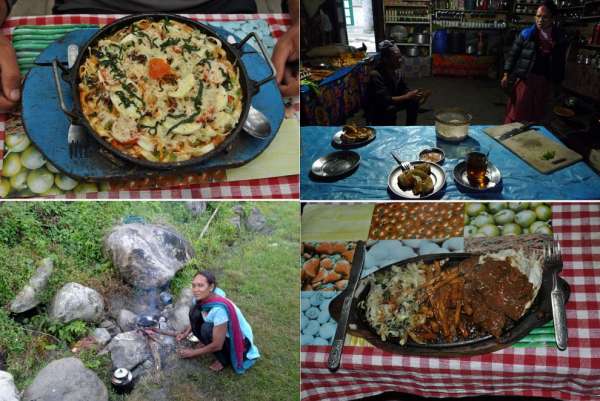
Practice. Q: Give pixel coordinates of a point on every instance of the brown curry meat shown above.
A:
(496, 291)
(470, 299)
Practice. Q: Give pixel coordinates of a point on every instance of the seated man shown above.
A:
(387, 92)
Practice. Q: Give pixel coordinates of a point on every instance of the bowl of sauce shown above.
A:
(432, 155)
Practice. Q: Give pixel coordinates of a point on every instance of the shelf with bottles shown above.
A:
(407, 4)
(394, 15)
(470, 24)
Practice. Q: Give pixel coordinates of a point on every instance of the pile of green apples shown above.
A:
(495, 219)
(25, 172)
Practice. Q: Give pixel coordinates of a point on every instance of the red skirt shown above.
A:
(528, 100)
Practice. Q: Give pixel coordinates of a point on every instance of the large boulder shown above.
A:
(196, 208)
(179, 316)
(8, 390)
(147, 255)
(75, 301)
(29, 297)
(127, 350)
(101, 336)
(257, 223)
(66, 380)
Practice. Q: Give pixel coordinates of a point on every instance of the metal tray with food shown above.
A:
(351, 136)
(452, 304)
(421, 180)
(187, 105)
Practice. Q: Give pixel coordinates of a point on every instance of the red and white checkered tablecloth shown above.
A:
(284, 187)
(572, 375)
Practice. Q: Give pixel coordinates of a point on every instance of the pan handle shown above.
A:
(263, 50)
(55, 66)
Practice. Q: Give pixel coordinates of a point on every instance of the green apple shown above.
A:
(489, 230)
(543, 212)
(4, 187)
(483, 219)
(495, 207)
(518, 206)
(543, 229)
(525, 218)
(511, 229)
(470, 231)
(504, 217)
(474, 209)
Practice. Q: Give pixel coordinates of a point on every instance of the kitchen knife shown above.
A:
(335, 355)
(515, 131)
(559, 315)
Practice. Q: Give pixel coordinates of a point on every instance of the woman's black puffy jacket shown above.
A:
(522, 55)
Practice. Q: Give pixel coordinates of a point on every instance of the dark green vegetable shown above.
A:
(184, 121)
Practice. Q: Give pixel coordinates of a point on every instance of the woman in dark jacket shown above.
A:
(537, 63)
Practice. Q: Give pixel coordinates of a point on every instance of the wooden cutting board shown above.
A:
(532, 145)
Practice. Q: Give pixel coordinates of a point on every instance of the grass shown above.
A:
(257, 272)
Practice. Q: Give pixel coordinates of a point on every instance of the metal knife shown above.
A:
(335, 355)
(559, 315)
(515, 131)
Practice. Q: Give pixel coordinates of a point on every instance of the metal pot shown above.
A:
(413, 51)
(422, 38)
(234, 55)
(122, 381)
(452, 124)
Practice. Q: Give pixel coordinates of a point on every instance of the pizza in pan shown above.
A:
(161, 90)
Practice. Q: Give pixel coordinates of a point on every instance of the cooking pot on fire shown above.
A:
(122, 381)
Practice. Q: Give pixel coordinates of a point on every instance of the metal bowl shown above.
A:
(335, 164)
(492, 174)
(452, 124)
(436, 151)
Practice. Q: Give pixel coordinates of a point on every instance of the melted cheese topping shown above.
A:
(161, 91)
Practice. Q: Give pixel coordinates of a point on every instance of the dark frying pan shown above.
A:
(537, 315)
(234, 55)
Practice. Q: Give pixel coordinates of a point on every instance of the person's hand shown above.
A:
(182, 335)
(414, 94)
(287, 50)
(504, 81)
(10, 78)
(186, 353)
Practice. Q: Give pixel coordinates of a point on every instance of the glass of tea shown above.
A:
(477, 163)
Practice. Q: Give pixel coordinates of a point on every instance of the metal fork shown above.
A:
(76, 137)
(404, 164)
(553, 261)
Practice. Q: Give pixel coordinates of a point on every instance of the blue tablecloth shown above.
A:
(369, 181)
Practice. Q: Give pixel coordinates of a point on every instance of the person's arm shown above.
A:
(513, 56)
(10, 78)
(383, 94)
(287, 50)
(186, 332)
(218, 340)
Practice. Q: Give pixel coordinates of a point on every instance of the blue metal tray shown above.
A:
(47, 125)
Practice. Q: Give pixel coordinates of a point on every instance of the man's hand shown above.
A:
(504, 81)
(10, 78)
(414, 94)
(287, 50)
